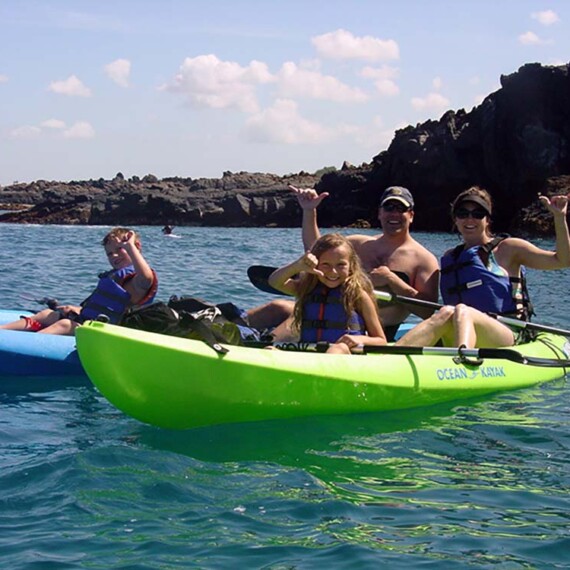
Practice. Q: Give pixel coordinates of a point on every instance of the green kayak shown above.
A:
(178, 383)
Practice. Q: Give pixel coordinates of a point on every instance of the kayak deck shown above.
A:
(178, 383)
(25, 354)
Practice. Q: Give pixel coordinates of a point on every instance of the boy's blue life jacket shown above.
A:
(466, 277)
(110, 298)
(325, 318)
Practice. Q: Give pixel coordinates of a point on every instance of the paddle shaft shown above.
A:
(259, 274)
(461, 355)
(514, 323)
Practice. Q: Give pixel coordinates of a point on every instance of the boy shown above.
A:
(130, 282)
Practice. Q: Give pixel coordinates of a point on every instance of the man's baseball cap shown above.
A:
(398, 193)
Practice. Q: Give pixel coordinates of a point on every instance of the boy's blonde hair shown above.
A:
(118, 234)
(353, 289)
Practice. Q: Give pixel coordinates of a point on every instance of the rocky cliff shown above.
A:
(516, 144)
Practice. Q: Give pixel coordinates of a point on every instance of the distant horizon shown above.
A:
(141, 177)
(198, 89)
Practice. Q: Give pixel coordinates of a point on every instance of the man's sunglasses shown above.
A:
(477, 213)
(395, 206)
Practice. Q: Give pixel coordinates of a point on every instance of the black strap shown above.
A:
(204, 331)
(326, 324)
(323, 298)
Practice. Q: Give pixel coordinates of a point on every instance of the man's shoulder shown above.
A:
(422, 252)
(360, 239)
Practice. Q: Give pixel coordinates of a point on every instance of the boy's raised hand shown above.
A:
(129, 239)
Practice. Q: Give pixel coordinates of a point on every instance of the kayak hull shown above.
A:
(180, 384)
(25, 354)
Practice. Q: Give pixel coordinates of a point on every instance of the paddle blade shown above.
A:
(259, 275)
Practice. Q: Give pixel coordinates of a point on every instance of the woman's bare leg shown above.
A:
(428, 332)
(475, 329)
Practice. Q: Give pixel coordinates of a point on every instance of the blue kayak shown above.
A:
(38, 355)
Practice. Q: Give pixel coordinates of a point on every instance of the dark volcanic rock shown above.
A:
(516, 144)
(513, 144)
(242, 199)
(536, 220)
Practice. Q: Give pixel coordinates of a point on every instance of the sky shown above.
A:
(90, 88)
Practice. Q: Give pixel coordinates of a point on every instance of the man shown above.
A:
(394, 260)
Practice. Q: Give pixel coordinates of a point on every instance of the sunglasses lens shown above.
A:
(464, 213)
(394, 207)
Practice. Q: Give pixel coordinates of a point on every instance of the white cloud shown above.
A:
(79, 130)
(432, 101)
(384, 79)
(297, 82)
(341, 44)
(531, 39)
(72, 86)
(375, 136)
(475, 80)
(53, 124)
(546, 17)
(206, 81)
(26, 132)
(310, 64)
(282, 123)
(387, 87)
(437, 83)
(3, 78)
(383, 72)
(119, 71)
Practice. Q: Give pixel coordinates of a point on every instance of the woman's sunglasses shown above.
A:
(477, 214)
(395, 206)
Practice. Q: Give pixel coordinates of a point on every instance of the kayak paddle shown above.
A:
(461, 355)
(259, 274)
(509, 321)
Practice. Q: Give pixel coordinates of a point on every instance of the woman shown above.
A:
(486, 274)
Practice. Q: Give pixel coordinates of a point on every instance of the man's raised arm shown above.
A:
(309, 201)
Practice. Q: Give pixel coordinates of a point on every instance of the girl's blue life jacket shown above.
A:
(110, 298)
(325, 318)
(467, 277)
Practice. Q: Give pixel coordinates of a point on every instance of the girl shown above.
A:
(485, 274)
(335, 300)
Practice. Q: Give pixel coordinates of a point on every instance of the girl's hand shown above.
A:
(556, 205)
(309, 263)
(308, 198)
(352, 341)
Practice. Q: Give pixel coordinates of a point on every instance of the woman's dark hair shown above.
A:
(477, 195)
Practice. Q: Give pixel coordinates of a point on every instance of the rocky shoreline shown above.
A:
(516, 144)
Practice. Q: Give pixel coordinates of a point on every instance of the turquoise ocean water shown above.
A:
(473, 484)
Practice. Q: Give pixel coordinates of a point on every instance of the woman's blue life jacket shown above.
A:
(325, 318)
(110, 298)
(469, 276)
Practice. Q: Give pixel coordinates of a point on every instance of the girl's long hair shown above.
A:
(353, 289)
